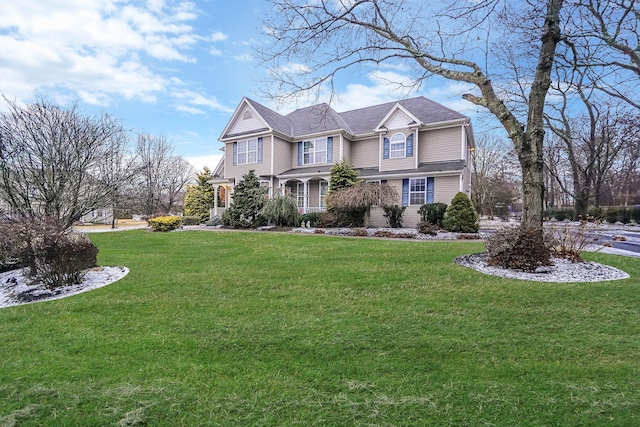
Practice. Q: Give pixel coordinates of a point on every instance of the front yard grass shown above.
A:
(276, 329)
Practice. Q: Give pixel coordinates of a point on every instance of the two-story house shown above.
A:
(416, 145)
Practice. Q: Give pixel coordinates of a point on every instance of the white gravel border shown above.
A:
(14, 283)
(562, 270)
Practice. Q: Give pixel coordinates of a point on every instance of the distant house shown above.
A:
(417, 145)
(97, 216)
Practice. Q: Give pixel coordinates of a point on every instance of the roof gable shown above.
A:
(398, 118)
(251, 117)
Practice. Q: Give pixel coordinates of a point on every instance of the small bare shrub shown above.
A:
(518, 248)
(360, 232)
(55, 256)
(569, 242)
(326, 220)
(425, 227)
(392, 235)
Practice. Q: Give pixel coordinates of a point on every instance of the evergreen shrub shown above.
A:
(394, 214)
(191, 220)
(165, 223)
(433, 213)
(461, 216)
(311, 218)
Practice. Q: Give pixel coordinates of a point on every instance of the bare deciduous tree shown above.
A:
(331, 36)
(162, 175)
(53, 160)
(495, 175)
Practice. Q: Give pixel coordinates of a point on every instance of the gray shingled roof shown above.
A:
(322, 118)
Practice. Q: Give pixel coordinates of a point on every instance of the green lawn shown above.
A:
(259, 329)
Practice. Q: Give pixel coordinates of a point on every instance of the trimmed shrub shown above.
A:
(461, 216)
(635, 214)
(326, 220)
(281, 211)
(518, 248)
(191, 220)
(216, 220)
(433, 213)
(595, 214)
(394, 215)
(165, 223)
(311, 218)
(612, 215)
(426, 227)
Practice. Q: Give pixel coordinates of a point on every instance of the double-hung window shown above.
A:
(314, 151)
(417, 191)
(247, 152)
(398, 146)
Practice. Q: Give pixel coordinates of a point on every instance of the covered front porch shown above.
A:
(222, 190)
(310, 193)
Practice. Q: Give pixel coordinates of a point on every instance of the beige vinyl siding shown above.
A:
(281, 156)
(365, 153)
(398, 120)
(346, 152)
(261, 169)
(440, 145)
(335, 152)
(242, 125)
(445, 188)
(403, 163)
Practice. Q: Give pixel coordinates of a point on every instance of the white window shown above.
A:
(247, 115)
(324, 190)
(314, 151)
(247, 152)
(300, 194)
(417, 191)
(398, 145)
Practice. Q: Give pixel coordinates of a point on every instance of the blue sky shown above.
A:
(171, 67)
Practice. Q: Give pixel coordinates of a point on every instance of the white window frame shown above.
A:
(412, 183)
(397, 148)
(300, 195)
(312, 154)
(248, 149)
(323, 190)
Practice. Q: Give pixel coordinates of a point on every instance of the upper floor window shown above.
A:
(398, 146)
(246, 152)
(247, 115)
(314, 151)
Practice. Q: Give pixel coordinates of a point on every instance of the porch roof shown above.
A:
(423, 168)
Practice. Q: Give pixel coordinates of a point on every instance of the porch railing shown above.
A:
(311, 210)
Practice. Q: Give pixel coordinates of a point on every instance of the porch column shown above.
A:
(306, 195)
(215, 200)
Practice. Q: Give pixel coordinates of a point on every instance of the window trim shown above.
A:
(400, 152)
(247, 152)
(423, 192)
(323, 197)
(313, 152)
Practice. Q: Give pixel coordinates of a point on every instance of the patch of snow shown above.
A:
(16, 287)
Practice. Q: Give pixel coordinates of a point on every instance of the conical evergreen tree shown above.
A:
(461, 216)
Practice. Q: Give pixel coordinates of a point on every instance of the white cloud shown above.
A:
(96, 49)
(243, 58)
(218, 36)
(210, 161)
(190, 110)
(200, 100)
